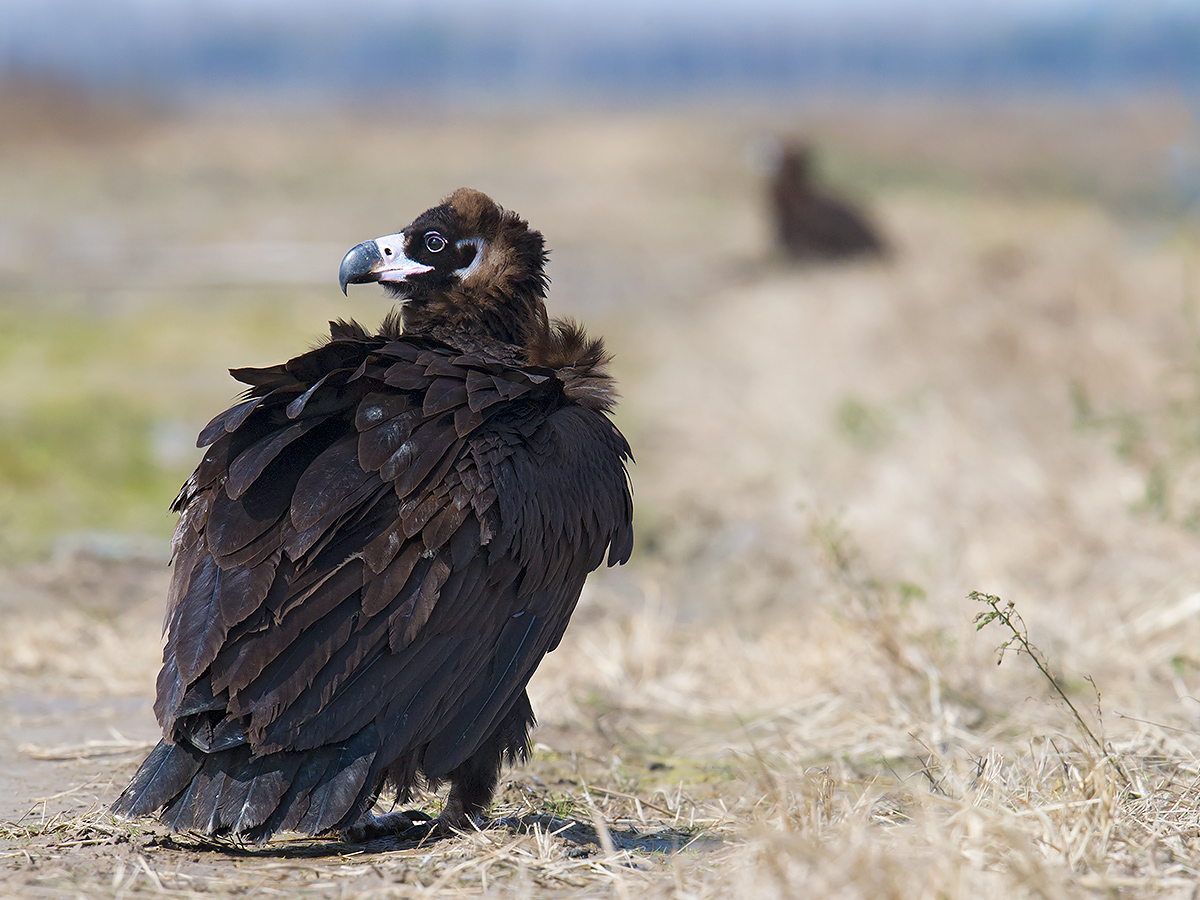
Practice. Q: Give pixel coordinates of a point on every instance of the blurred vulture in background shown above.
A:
(810, 223)
(382, 541)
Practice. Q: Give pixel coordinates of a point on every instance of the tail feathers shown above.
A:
(332, 789)
(167, 771)
(267, 784)
(340, 800)
(236, 793)
(231, 793)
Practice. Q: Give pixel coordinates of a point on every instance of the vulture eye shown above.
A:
(434, 242)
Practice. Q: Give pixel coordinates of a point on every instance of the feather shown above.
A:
(232, 526)
(213, 466)
(428, 669)
(383, 549)
(507, 388)
(347, 330)
(330, 780)
(376, 408)
(266, 780)
(359, 488)
(339, 582)
(199, 698)
(454, 743)
(430, 443)
(326, 482)
(422, 607)
(197, 631)
(227, 421)
(245, 666)
(272, 375)
(297, 406)
(325, 359)
(440, 367)
(445, 523)
(380, 442)
(349, 677)
(251, 462)
(405, 377)
(401, 350)
(419, 510)
(291, 676)
(336, 795)
(466, 420)
(243, 589)
(465, 543)
(162, 776)
(253, 553)
(192, 809)
(203, 733)
(342, 533)
(442, 395)
(386, 587)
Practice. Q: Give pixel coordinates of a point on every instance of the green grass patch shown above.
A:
(865, 425)
(102, 399)
(87, 464)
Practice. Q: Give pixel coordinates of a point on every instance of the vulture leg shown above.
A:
(473, 783)
(472, 786)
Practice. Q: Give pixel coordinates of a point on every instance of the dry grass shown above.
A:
(785, 693)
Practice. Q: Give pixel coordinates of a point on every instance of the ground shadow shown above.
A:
(581, 835)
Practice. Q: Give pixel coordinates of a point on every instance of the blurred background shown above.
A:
(533, 50)
(178, 180)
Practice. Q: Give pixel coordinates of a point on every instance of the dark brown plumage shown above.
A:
(381, 543)
(811, 223)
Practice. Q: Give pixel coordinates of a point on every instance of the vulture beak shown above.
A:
(382, 259)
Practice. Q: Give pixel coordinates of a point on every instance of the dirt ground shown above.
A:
(785, 692)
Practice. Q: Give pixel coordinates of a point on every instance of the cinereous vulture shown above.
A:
(381, 542)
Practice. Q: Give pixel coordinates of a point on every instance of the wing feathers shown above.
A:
(385, 588)
(444, 394)
(404, 626)
(377, 443)
(244, 660)
(250, 464)
(378, 547)
(428, 444)
(227, 421)
(383, 549)
(198, 622)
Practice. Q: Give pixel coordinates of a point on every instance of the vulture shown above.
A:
(379, 545)
(810, 223)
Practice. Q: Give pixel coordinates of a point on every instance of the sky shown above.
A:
(615, 42)
(853, 12)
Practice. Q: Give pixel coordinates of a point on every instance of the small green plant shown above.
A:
(561, 806)
(1127, 429)
(863, 425)
(1006, 614)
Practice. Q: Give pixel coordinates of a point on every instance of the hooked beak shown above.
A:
(382, 259)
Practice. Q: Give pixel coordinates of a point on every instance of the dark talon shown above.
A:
(411, 825)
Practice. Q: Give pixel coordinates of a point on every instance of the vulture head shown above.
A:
(467, 264)
(794, 166)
